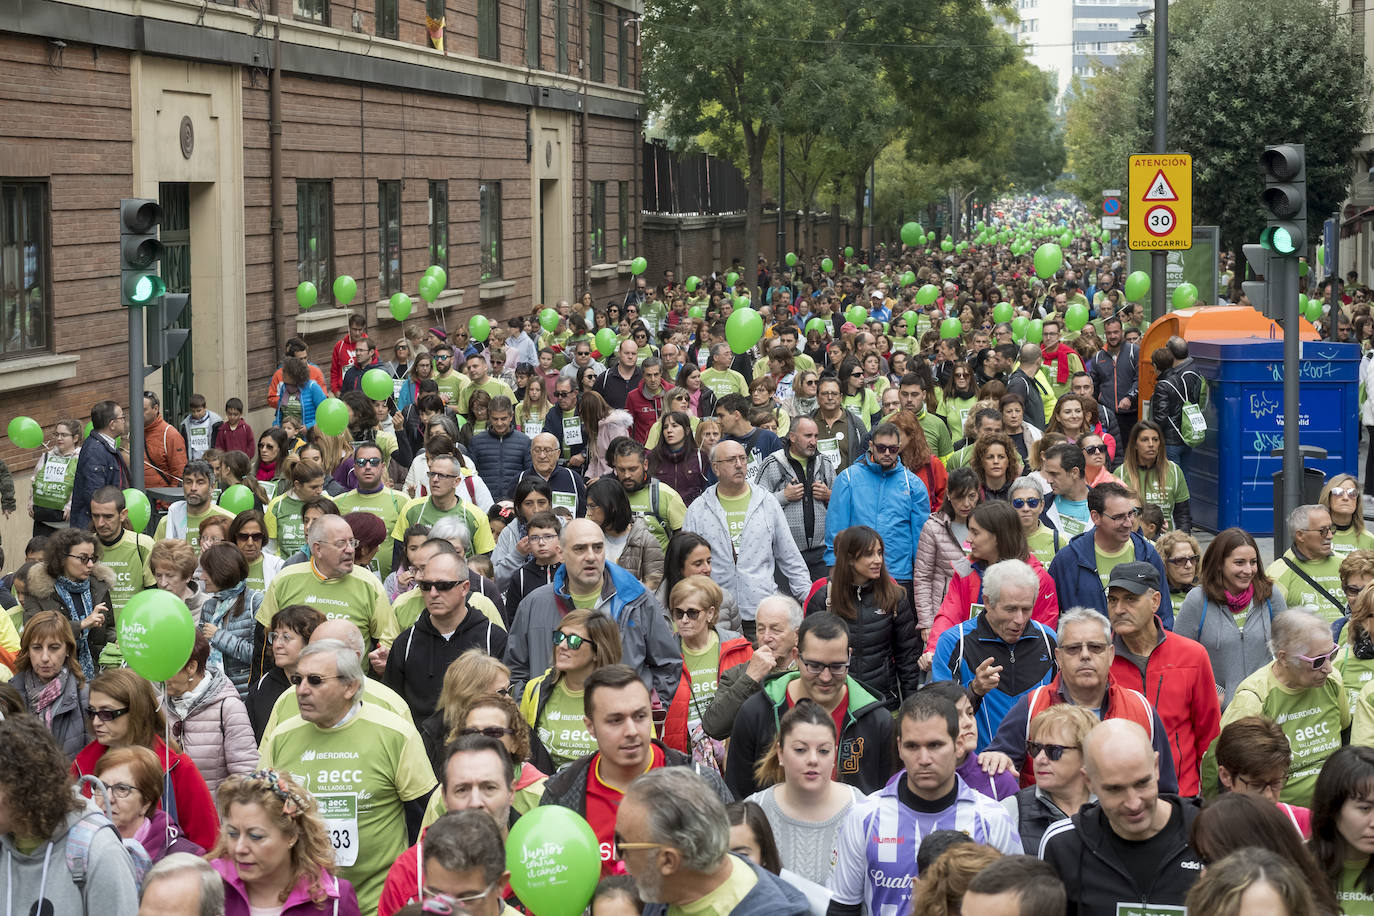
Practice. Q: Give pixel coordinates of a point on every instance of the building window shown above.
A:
(315, 236)
(489, 29)
(598, 233)
(313, 10)
(489, 197)
(560, 33)
(438, 224)
(622, 48)
(389, 235)
(533, 38)
(624, 224)
(25, 293)
(596, 40)
(387, 26)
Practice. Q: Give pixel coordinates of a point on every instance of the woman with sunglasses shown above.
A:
(1054, 746)
(1181, 555)
(209, 719)
(552, 702)
(1146, 469)
(1027, 495)
(1297, 691)
(498, 716)
(1341, 497)
(125, 712)
(1095, 459)
(248, 532)
(133, 783)
(72, 582)
(854, 394)
(708, 649)
(959, 394)
(1355, 631)
(1232, 609)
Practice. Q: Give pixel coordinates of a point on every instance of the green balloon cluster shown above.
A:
(743, 329)
(946, 245)
(913, 234)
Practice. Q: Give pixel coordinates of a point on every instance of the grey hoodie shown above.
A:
(109, 887)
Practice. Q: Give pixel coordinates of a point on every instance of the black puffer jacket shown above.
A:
(884, 646)
(1172, 390)
(500, 460)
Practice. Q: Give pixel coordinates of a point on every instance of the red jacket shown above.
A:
(966, 587)
(164, 455)
(1178, 680)
(646, 409)
(1119, 703)
(732, 652)
(195, 809)
(341, 358)
(935, 477)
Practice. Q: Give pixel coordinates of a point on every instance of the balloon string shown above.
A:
(166, 756)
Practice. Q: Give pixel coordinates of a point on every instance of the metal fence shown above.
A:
(690, 182)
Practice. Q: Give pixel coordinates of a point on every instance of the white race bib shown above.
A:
(565, 501)
(340, 814)
(200, 438)
(396, 385)
(829, 447)
(55, 468)
(533, 428)
(572, 431)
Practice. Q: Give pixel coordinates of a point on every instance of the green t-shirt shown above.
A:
(360, 775)
(492, 386)
(422, 511)
(1343, 542)
(723, 382)
(864, 403)
(1350, 892)
(255, 575)
(452, 385)
(1041, 544)
(937, 432)
(1165, 493)
(672, 511)
(1356, 673)
(704, 670)
(53, 480)
(1297, 590)
(1106, 562)
(561, 726)
(955, 411)
(586, 602)
(192, 535)
(128, 558)
(358, 597)
(386, 504)
(286, 523)
(735, 509)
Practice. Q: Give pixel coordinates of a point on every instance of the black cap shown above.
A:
(1135, 577)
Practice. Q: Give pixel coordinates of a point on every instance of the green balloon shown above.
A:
(912, 319)
(692, 283)
(606, 341)
(1035, 332)
(400, 306)
(697, 312)
(430, 288)
(377, 384)
(345, 288)
(731, 279)
(1076, 316)
(1137, 286)
(25, 432)
(156, 634)
(930, 236)
(1019, 325)
(816, 324)
(1106, 236)
(554, 861)
(139, 509)
(1001, 312)
(1185, 296)
(638, 266)
(913, 234)
(331, 416)
(791, 259)
(1303, 268)
(479, 328)
(927, 294)
(908, 278)
(849, 251)
(946, 245)
(743, 329)
(439, 274)
(1314, 311)
(1302, 302)
(306, 294)
(1048, 258)
(548, 320)
(236, 499)
(950, 328)
(1066, 239)
(856, 315)
(740, 302)
(827, 265)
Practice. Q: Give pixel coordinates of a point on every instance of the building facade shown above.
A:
(1071, 38)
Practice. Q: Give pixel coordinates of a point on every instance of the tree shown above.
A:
(1109, 118)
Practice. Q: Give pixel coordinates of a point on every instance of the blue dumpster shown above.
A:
(1231, 475)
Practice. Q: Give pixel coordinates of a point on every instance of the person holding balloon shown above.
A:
(343, 354)
(54, 477)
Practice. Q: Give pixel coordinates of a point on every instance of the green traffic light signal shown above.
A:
(141, 289)
(1282, 238)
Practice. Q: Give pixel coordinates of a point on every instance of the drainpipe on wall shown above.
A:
(274, 128)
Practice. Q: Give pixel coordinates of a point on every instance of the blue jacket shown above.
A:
(312, 396)
(97, 465)
(500, 460)
(960, 650)
(1074, 571)
(894, 502)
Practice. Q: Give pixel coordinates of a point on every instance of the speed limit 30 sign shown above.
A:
(1161, 202)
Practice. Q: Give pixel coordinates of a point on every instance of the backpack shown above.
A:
(1193, 428)
(83, 832)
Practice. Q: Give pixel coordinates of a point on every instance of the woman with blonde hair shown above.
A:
(1341, 497)
(1054, 745)
(944, 884)
(1182, 556)
(552, 702)
(274, 853)
(470, 675)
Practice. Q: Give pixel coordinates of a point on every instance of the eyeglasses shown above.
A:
(368, 462)
(735, 459)
(1032, 501)
(1274, 785)
(1190, 560)
(344, 545)
(440, 585)
(447, 904)
(87, 558)
(1095, 449)
(121, 789)
(277, 636)
(439, 475)
(839, 669)
(885, 449)
(572, 639)
(1131, 514)
(106, 715)
(1324, 531)
(690, 613)
(1077, 648)
(1343, 492)
(1318, 661)
(491, 731)
(623, 845)
(314, 680)
(1053, 751)
(545, 450)
(257, 536)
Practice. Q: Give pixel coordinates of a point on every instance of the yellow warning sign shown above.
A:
(1160, 202)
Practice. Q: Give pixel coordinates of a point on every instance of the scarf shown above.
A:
(805, 406)
(1238, 603)
(266, 470)
(1060, 356)
(224, 603)
(43, 697)
(66, 591)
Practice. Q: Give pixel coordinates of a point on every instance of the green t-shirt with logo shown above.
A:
(492, 386)
(1350, 893)
(1342, 542)
(1164, 491)
(1041, 544)
(704, 670)
(452, 385)
(561, 726)
(736, 507)
(422, 511)
(386, 504)
(672, 511)
(256, 579)
(286, 523)
(375, 694)
(53, 480)
(128, 558)
(1297, 590)
(1106, 562)
(357, 596)
(1356, 673)
(360, 774)
(723, 382)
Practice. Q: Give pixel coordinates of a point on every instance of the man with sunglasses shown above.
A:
(1083, 567)
(1309, 572)
(563, 423)
(453, 385)
(1173, 672)
(864, 724)
(443, 501)
(446, 629)
(373, 496)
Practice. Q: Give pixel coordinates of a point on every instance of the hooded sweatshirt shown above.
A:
(421, 654)
(109, 887)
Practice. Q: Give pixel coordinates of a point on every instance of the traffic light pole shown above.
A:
(1158, 259)
(134, 413)
(1285, 285)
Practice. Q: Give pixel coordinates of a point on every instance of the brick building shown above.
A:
(497, 138)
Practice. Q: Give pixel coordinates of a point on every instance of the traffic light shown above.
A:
(165, 340)
(139, 252)
(1257, 291)
(1284, 199)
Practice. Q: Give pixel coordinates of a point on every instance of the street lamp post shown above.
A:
(1158, 260)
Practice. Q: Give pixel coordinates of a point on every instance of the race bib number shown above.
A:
(565, 501)
(55, 469)
(1135, 908)
(702, 357)
(340, 815)
(533, 428)
(269, 487)
(1072, 526)
(200, 438)
(572, 431)
(830, 446)
(396, 385)
(974, 610)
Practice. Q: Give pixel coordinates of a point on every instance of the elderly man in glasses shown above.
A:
(1309, 572)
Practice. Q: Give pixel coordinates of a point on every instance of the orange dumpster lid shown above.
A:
(1209, 322)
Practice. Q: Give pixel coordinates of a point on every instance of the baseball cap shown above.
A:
(1135, 577)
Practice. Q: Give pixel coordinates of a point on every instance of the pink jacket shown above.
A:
(966, 587)
(618, 423)
(340, 900)
(216, 733)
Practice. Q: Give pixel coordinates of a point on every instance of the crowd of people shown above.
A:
(872, 617)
